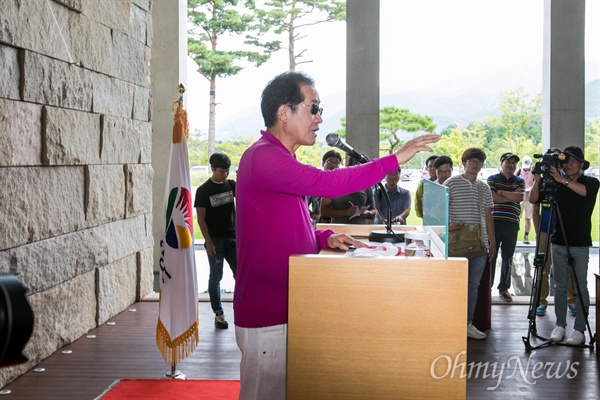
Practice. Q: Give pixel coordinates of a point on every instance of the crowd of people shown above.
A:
(278, 201)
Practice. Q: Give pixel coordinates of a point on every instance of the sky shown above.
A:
(433, 47)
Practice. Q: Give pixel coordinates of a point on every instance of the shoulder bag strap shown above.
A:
(480, 184)
(480, 212)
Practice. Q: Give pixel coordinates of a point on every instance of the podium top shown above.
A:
(361, 231)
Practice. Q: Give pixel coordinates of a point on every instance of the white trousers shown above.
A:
(264, 362)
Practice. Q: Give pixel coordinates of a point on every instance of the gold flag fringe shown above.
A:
(181, 126)
(176, 350)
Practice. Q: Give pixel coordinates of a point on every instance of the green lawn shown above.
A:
(197, 232)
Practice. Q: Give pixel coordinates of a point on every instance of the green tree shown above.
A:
(234, 149)
(394, 122)
(291, 16)
(210, 20)
(592, 142)
(342, 131)
(312, 155)
(197, 147)
(520, 120)
(455, 141)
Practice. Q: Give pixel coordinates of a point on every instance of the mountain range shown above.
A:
(445, 110)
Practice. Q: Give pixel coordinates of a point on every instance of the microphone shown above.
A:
(388, 235)
(333, 140)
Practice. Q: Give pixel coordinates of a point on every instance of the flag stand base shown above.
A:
(175, 374)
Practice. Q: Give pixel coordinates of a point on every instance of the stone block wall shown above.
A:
(75, 162)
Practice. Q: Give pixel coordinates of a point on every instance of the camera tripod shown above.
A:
(539, 262)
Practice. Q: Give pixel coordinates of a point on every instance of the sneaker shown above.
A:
(572, 309)
(558, 334)
(220, 322)
(475, 333)
(525, 239)
(577, 338)
(504, 295)
(541, 310)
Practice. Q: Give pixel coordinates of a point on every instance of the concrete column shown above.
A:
(169, 57)
(362, 75)
(563, 92)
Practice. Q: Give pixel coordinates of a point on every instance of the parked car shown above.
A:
(485, 172)
(406, 174)
(595, 172)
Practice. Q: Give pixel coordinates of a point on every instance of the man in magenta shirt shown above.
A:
(273, 222)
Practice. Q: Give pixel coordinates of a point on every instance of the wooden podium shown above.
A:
(376, 328)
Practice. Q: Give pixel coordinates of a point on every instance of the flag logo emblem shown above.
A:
(179, 232)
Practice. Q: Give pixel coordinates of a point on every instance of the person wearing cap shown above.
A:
(541, 217)
(526, 206)
(508, 191)
(215, 210)
(575, 196)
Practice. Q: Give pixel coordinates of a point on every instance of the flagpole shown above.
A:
(177, 328)
(175, 374)
(181, 90)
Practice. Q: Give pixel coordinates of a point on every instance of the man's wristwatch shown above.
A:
(567, 181)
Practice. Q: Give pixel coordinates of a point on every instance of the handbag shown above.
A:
(468, 240)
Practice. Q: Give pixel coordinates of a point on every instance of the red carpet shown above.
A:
(164, 389)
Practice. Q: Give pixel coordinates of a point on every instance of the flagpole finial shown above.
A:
(181, 126)
(181, 90)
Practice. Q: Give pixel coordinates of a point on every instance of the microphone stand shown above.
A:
(387, 235)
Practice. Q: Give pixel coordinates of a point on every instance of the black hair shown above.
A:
(332, 153)
(442, 160)
(219, 160)
(285, 88)
(430, 158)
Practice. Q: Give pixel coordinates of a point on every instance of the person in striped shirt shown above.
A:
(508, 191)
(470, 203)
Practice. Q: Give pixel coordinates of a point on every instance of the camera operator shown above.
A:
(575, 196)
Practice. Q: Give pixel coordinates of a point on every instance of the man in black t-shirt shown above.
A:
(215, 209)
(575, 199)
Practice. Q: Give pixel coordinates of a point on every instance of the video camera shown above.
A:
(16, 321)
(552, 158)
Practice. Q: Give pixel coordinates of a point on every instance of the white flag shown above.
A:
(177, 328)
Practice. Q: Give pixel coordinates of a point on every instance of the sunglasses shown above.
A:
(314, 108)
